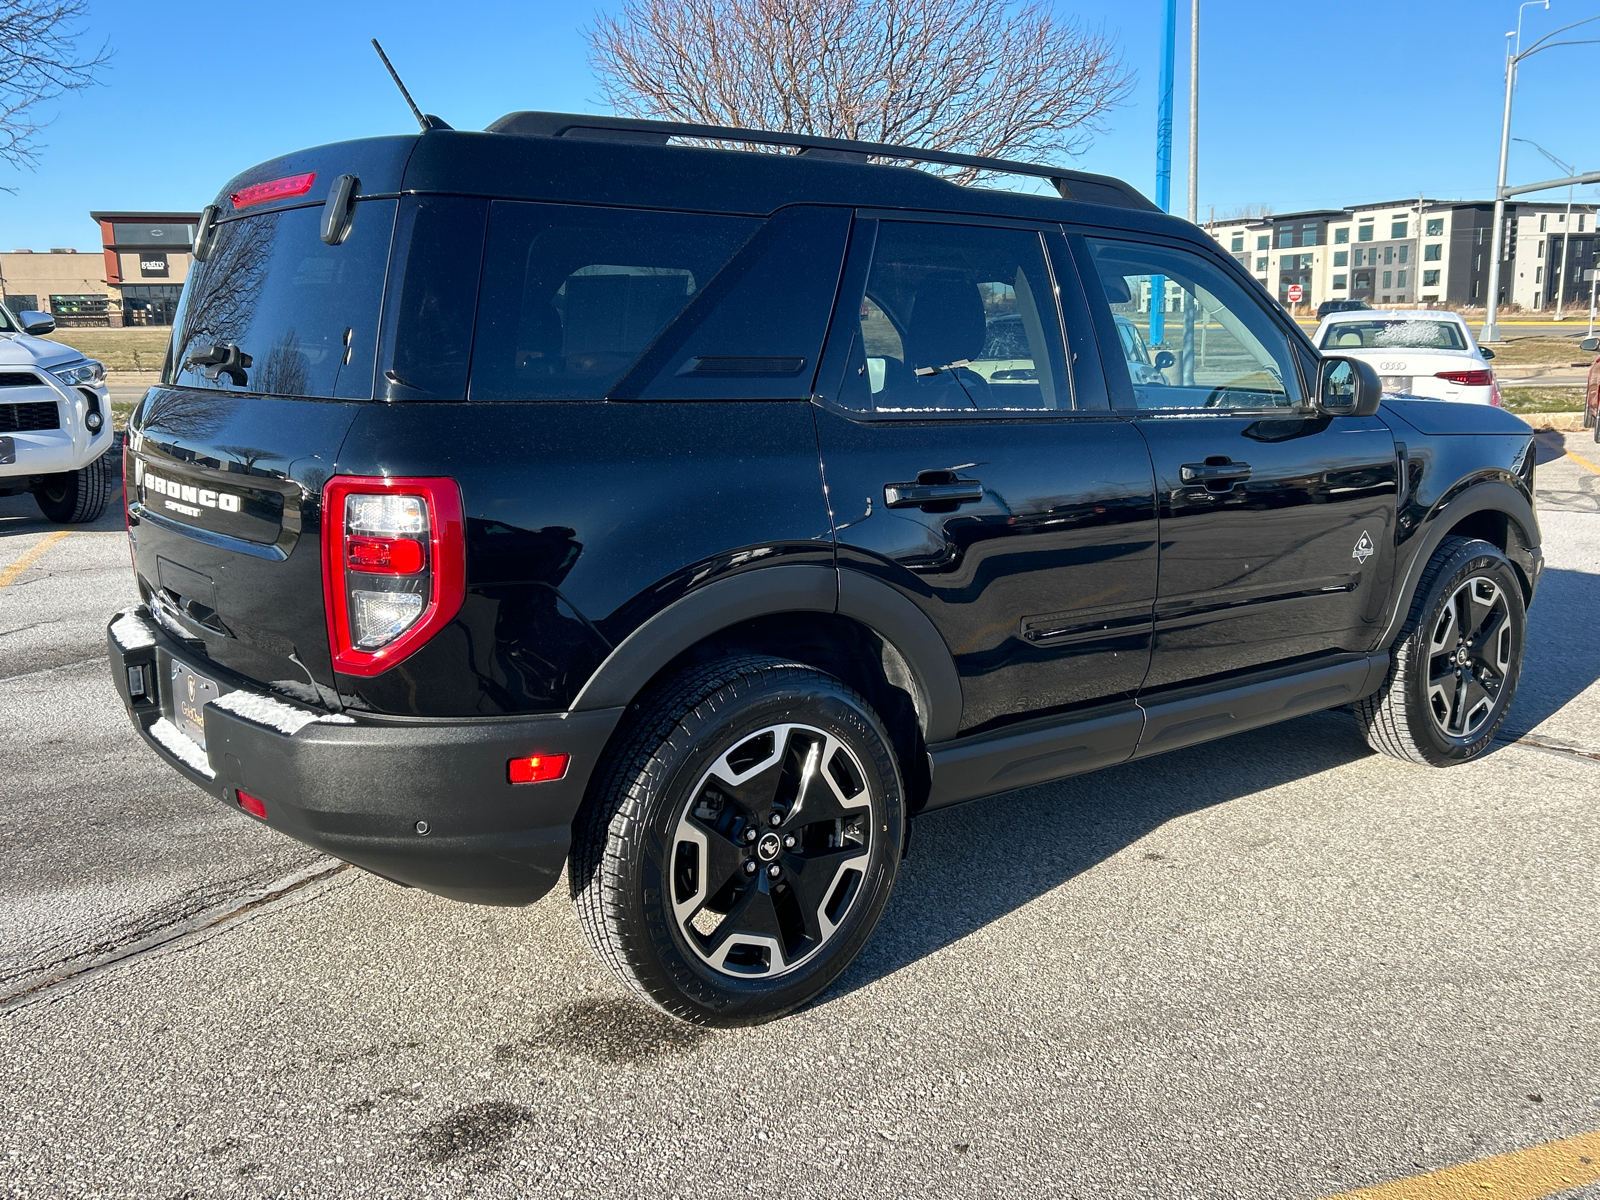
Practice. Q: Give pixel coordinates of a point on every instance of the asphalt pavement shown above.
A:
(1275, 966)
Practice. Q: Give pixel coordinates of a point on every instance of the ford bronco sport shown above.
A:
(565, 496)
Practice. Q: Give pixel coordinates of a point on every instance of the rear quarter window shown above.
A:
(572, 296)
(305, 313)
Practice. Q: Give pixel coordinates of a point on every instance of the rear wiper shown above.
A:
(220, 358)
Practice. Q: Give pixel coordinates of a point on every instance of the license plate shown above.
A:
(190, 691)
(1397, 383)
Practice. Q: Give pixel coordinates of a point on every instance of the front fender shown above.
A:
(1495, 497)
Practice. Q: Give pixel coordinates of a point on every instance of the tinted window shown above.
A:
(305, 313)
(572, 296)
(955, 317)
(1214, 346)
(427, 338)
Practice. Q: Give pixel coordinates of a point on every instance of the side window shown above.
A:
(954, 318)
(572, 296)
(1201, 341)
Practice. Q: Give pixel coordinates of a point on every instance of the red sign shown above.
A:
(1295, 293)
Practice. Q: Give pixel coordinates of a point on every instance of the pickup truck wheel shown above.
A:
(73, 497)
(740, 840)
(1456, 662)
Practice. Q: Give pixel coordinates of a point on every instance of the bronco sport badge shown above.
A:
(1363, 549)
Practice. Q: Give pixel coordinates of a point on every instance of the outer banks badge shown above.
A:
(1364, 549)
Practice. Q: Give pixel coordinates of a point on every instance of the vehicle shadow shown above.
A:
(972, 865)
(1563, 653)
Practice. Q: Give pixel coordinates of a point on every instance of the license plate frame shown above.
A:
(191, 691)
(1396, 384)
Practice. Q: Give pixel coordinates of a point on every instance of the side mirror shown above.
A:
(1348, 387)
(1486, 352)
(36, 322)
(1164, 359)
(1589, 344)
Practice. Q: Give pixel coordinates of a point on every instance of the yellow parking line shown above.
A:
(1583, 462)
(8, 576)
(1521, 1175)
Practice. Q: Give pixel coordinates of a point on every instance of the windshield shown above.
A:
(1387, 335)
(6, 324)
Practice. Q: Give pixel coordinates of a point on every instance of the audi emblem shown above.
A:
(1392, 366)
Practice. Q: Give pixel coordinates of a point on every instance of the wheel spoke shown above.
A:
(752, 921)
(1444, 629)
(813, 878)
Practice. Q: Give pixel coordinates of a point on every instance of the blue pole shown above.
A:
(1169, 51)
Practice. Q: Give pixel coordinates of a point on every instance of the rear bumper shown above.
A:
(357, 789)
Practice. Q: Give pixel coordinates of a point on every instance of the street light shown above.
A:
(1566, 221)
(1491, 331)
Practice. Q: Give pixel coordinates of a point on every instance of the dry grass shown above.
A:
(1542, 399)
(1541, 351)
(137, 349)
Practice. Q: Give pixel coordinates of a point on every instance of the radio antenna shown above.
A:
(427, 122)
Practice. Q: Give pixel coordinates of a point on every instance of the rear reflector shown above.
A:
(1467, 378)
(251, 805)
(538, 768)
(274, 189)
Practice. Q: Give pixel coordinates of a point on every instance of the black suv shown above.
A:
(692, 518)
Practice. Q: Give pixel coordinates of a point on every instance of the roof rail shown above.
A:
(1072, 185)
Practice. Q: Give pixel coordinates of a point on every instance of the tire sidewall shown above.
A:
(669, 776)
(1478, 559)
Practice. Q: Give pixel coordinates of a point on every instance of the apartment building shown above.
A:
(1419, 251)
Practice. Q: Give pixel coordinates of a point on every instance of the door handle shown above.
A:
(1212, 471)
(919, 495)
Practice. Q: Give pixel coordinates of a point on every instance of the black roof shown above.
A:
(565, 159)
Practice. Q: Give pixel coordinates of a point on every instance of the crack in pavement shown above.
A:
(209, 920)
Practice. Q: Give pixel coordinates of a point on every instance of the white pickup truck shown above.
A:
(55, 421)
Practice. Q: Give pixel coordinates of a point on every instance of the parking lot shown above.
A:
(1274, 966)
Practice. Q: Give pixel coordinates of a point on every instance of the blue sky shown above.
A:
(1302, 104)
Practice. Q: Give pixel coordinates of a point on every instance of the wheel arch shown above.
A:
(806, 612)
(1496, 512)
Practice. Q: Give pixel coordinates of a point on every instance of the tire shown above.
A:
(739, 840)
(1454, 667)
(74, 497)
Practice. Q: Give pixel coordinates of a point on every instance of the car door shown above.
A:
(973, 463)
(1276, 521)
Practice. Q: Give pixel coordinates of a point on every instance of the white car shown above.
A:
(55, 422)
(1415, 353)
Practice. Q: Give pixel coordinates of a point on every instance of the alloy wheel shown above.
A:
(770, 851)
(1469, 657)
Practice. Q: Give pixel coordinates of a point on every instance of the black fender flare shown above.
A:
(1489, 496)
(768, 591)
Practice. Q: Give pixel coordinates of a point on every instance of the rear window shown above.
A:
(303, 312)
(1392, 335)
(572, 296)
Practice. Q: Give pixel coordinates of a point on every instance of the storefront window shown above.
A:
(150, 304)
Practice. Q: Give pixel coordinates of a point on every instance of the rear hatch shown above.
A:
(274, 351)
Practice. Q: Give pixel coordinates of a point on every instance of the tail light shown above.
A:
(1467, 378)
(393, 566)
(1495, 398)
(286, 188)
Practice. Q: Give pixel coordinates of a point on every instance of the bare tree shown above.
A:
(1005, 78)
(39, 61)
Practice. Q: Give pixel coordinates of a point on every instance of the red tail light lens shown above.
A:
(387, 556)
(286, 188)
(1467, 378)
(537, 768)
(393, 564)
